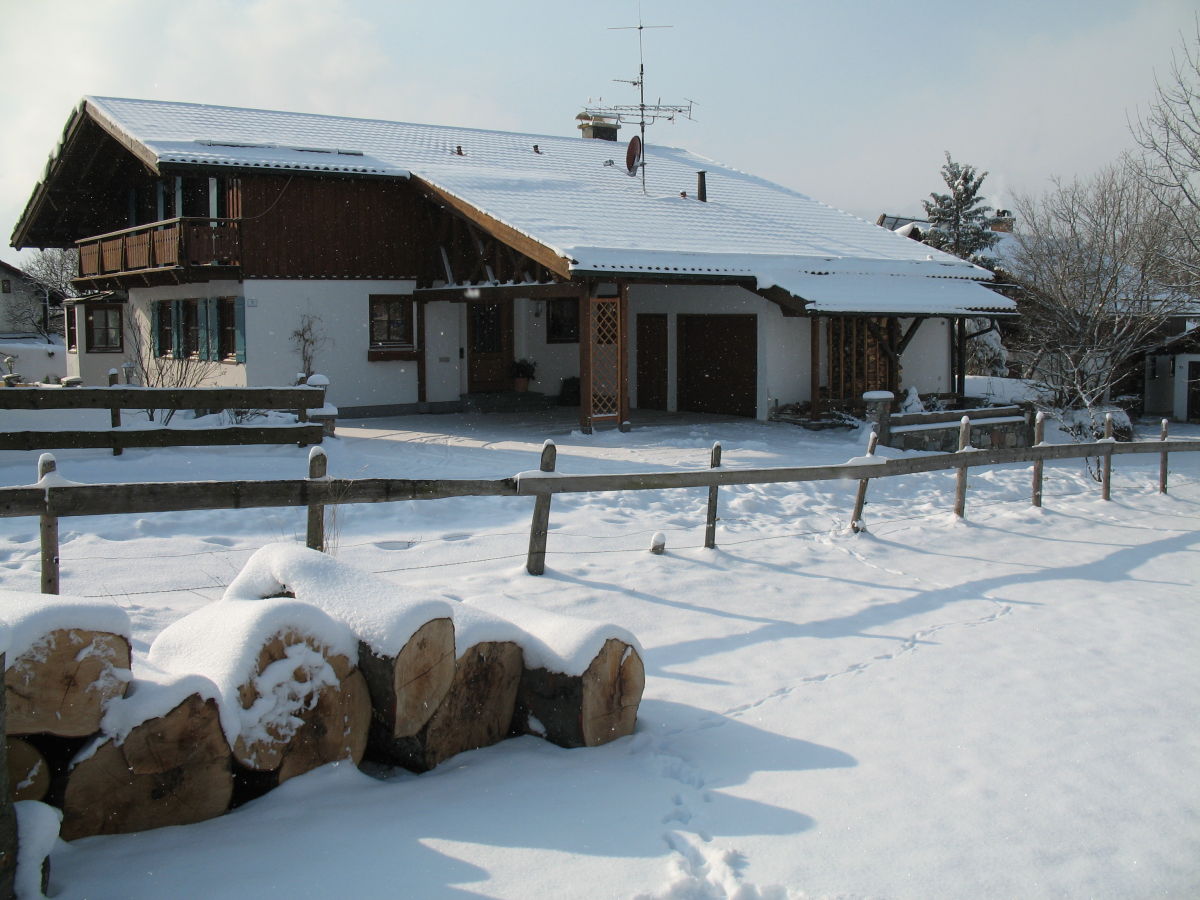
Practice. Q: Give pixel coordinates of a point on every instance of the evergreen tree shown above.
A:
(960, 220)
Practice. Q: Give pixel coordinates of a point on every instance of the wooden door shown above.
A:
(718, 364)
(652, 361)
(489, 347)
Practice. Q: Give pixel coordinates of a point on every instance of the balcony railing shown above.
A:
(173, 243)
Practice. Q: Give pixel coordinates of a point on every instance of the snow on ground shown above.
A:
(998, 707)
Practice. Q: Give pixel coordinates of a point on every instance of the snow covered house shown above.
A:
(25, 307)
(427, 259)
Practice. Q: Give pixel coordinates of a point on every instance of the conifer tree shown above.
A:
(960, 220)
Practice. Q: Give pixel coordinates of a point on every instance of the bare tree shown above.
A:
(1169, 135)
(153, 370)
(1094, 289)
(53, 269)
(308, 340)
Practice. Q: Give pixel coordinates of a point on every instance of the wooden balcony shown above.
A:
(173, 251)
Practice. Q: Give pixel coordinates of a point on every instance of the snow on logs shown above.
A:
(305, 661)
(289, 695)
(446, 676)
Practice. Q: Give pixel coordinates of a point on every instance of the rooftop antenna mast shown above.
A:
(645, 113)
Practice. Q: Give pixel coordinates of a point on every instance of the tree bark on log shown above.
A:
(28, 771)
(61, 684)
(583, 710)
(475, 711)
(171, 770)
(407, 689)
(317, 723)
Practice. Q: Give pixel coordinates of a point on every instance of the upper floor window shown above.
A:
(5, 286)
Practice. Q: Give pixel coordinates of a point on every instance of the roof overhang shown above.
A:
(893, 295)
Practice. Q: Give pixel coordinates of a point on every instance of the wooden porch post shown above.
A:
(814, 354)
(585, 359)
(623, 356)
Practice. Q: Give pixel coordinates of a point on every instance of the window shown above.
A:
(392, 327)
(103, 329)
(208, 328)
(562, 321)
(5, 286)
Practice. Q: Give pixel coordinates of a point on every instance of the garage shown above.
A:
(718, 367)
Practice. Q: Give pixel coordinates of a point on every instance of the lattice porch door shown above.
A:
(605, 388)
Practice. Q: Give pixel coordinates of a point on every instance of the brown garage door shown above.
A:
(718, 368)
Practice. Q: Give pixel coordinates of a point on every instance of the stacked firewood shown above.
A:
(304, 662)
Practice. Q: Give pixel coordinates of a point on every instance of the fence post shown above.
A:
(535, 562)
(49, 532)
(318, 468)
(1106, 463)
(710, 528)
(1039, 464)
(1162, 460)
(879, 411)
(860, 499)
(114, 412)
(960, 488)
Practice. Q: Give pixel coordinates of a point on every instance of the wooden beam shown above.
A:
(490, 293)
(520, 242)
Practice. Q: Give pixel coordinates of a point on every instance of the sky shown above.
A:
(853, 102)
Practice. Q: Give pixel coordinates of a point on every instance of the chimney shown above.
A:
(1003, 221)
(701, 187)
(597, 127)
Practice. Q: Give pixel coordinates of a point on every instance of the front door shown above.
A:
(489, 347)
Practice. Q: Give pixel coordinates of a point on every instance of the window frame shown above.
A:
(91, 330)
(403, 348)
(559, 330)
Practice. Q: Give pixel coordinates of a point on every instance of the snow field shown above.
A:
(997, 707)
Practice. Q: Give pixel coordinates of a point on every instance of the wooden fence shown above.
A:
(50, 501)
(115, 398)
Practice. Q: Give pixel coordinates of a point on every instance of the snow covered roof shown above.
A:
(570, 194)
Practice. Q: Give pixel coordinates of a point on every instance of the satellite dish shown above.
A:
(633, 156)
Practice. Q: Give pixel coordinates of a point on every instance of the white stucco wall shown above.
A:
(925, 364)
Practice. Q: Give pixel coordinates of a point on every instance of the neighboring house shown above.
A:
(26, 308)
(1172, 374)
(433, 257)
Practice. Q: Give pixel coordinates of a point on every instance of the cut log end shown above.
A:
(612, 691)
(28, 771)
(61, 684)
(171, 770)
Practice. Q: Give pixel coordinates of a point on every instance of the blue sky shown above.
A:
(851, 102)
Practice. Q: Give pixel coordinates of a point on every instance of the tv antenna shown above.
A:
(643, 113)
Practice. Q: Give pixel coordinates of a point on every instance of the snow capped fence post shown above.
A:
(1162, 460)
(860, 498)
(1106, 476)
(710, 528)
(318, 467)
(49, 532)
(1039, 464)
(535, 563)
(960, 488)
(114, 412)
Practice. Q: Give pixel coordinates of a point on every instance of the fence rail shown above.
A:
(51, 501)
(115, 398)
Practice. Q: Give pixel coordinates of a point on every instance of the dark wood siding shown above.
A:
(310, 227)
(718, 364)
(652, 361)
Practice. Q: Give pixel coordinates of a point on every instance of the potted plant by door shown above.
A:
(523, 372)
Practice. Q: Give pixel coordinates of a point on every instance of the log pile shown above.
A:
(285, 675)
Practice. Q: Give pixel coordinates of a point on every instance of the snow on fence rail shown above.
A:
(115, 398)
(53, 496)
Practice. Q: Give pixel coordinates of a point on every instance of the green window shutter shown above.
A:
(202, 327)
(212, 340)
(177, 329)
(155, 320)
(239, 312)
